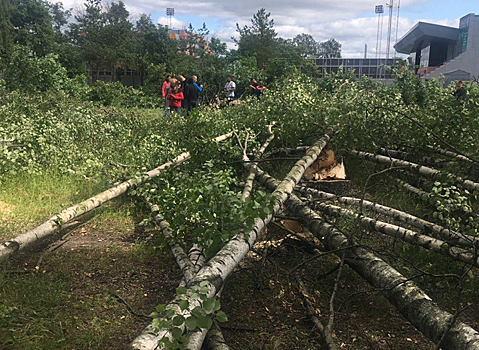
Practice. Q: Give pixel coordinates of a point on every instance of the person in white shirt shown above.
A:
(230, 88)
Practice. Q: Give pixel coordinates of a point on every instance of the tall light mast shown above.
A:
(393, 23)
(379, 10)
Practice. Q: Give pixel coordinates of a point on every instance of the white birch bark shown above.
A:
(248, 187)
(452, 237)
(56, 222)
(452, 154)
(217, 269)
(409, 236)
(413, 303)
(412, 189)
(416, 168)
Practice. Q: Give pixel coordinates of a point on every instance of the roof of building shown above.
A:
(423, 33)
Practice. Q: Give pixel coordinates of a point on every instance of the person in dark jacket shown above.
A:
(460, 92)
(191, 95)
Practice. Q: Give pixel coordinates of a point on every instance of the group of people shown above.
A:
(257, 89)
(180, 93)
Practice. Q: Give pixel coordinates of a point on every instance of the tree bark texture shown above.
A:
(217, 269)
(416, 168)
(453, 238)
(432, 244)
(414, 304)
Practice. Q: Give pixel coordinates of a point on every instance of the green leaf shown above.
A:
(217, 304)
(184, 305)
(221, 317)
(160, 308)
(197, 311)
(177, 333)
(181, 290)
(191, 323)
(204, 322)
(178, 320)
(209, 305)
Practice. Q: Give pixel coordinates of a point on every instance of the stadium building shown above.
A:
(374, 68)
(438, 50)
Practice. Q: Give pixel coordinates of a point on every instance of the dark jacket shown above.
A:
(191, 92)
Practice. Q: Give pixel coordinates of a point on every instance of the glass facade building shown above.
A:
(374, 68)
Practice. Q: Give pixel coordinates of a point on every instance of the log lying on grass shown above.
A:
(453, 238)
(189, 265)
(416, 168)
(414, 304)
(423, 194)
(452, 154)
(217, 269)
(56, 222)
(432, 244)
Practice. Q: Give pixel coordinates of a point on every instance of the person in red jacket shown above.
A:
(164, 92)
(175, 96)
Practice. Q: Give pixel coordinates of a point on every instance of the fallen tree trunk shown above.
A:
(452, 154)
(215, 339)
(216, 270)
(452, 237)
(189, 265)
(432, 244)
(423, 194)
(56, 222)
(416, 168)
(414, 304)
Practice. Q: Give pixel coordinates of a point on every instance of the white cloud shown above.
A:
(347, 21)
(175, 23)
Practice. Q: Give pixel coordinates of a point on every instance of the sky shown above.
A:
(351, 22)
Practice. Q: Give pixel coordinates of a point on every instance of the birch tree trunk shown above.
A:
(412, 189)
(225, 261)
(413, 303)
(409, 236)
(56, 222)
(452, 237)
(452, 154)
(416, 168)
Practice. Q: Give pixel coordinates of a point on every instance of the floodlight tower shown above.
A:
(170, 12)
(393, 23)
(379, 10)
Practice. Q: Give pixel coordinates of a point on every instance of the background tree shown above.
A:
(330, 49)
(154, 50)
(218, 47)
(6, 33)
(259, 39)
(105, 38)
(307, 45)
(32, 26)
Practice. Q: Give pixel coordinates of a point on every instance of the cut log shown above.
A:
(451, 237)
(413, 303)
(416, 168)
(56, 222)
(225, 261)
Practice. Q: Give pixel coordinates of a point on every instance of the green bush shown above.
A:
(32, 74)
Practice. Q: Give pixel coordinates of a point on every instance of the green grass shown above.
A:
(69, 304)
(28, 200)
